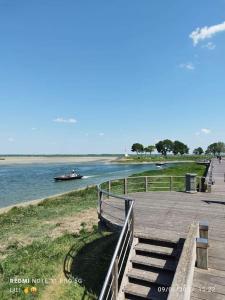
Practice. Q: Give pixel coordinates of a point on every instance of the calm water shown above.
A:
(20, 183)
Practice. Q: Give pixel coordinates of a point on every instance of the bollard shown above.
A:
(204, 229)
(202, 253)
(191, 183)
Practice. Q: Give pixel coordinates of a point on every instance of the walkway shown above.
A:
(218, 172)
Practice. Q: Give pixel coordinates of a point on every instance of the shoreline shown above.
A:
(5, 209)
(152, 162)
(8, 160)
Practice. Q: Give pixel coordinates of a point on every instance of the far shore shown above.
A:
(124, 161)
(5, 160)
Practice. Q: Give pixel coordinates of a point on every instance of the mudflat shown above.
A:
(53, 159)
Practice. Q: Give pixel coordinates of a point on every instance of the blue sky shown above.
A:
(96, 76)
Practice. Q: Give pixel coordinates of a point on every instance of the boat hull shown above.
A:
(65, 178)
(160, 164)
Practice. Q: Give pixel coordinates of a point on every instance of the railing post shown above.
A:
(203, 189)
(146, 184)
(209, 188)
(202, 253)
(115, 279)
(100, 203)
(171, 183)
(200, 184)
(125, 186)
(127, 206)
(204, 229)
(109, 187)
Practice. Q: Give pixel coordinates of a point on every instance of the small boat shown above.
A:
(160, 164)
(71, 176)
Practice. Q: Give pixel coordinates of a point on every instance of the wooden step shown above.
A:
(160, 237)
(158, 241)
(149, 248)
(164, 264)
(132, 291)
(158, 278)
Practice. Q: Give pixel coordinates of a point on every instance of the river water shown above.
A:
(20, 183)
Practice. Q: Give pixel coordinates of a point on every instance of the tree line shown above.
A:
(177, 148)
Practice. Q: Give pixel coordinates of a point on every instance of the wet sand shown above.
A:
(53, 159)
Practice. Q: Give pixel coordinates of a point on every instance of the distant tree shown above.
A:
(180, 148)
(137, 147)
(198, 151)
(164, 147)
(216, 148)
(220, 147)
(149, 149)
(145, 150)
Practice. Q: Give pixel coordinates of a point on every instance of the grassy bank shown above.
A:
(163, 181)
(177, 169)
(36, 240)
(160, 158)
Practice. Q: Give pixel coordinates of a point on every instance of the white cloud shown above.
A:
(63, 120)
(206, 130)
(188, 66)
(203, 131)
(33, 128)
(11, 139)
(101, 134)
(200, 34)
(209, 46)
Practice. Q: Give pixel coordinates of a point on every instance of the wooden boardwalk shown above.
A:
(218, 172)
(170, 214)
(210, 284)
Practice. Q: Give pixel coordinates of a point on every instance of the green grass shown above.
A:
(29, 219)
(159, 183)
(44, 259)
(177, 169)
(157, 158)
(26, 245)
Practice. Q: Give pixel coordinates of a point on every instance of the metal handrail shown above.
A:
(110, 277)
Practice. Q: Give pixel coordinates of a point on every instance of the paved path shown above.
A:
(218, 172)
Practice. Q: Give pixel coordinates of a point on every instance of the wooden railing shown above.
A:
(114, 276)
(209, 177)
(148, 184)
